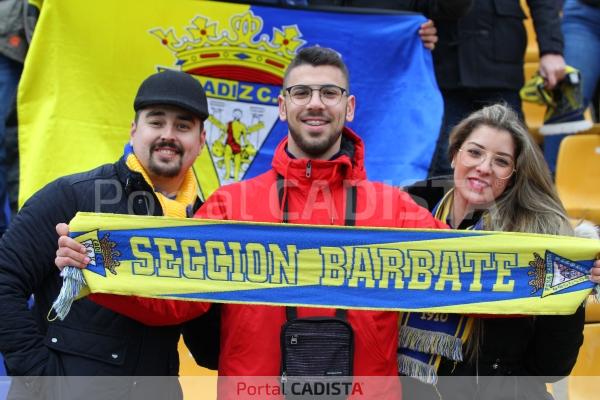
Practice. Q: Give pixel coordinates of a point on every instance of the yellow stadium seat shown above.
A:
(583, 382)
(592, 314)
(196, 382)
(577, 173)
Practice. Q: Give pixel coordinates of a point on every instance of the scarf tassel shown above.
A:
(417, 369)
(73, 282)
(431, 342)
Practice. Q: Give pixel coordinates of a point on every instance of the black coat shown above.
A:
(439, 9)
(517, 355)
(92, 340)
(486, 48)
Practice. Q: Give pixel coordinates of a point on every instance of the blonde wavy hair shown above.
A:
(530, 202)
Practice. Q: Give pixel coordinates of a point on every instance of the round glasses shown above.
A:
(502, 166)
(330, 95)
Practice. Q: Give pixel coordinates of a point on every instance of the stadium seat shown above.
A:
(577, 172)
(583, 382)
(196, 382)
(592, 312)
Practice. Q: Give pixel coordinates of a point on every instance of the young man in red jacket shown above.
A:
(311, 171)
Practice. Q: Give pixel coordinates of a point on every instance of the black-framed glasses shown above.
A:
(330, 95)
(502, 166)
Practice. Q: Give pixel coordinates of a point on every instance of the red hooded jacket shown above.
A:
(315, 193)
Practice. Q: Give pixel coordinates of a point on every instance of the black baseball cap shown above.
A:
(173, 88)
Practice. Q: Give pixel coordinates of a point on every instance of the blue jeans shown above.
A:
(581, 28)
(10, 73)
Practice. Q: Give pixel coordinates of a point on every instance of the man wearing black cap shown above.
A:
(152, 178)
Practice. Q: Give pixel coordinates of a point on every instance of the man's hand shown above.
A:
(552, 69)
(70, 252)
(428, 34)
(595, 271)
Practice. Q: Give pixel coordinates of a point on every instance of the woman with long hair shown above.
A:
(500, 183)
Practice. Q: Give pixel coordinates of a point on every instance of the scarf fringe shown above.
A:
(431, 342)
(73, 282)
(417, 369)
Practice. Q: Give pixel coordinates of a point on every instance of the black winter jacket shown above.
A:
(439, 9)
(517, 355)
(486, 48)
(92, 340)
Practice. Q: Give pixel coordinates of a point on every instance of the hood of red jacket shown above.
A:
(348, 166)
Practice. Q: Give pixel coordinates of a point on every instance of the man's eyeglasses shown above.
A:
(502, 166)
(330, 95)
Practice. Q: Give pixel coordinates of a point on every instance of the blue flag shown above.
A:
(399, 107)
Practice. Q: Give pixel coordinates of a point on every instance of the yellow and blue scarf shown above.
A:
(425, 338)
(181, 205)
(436, 271)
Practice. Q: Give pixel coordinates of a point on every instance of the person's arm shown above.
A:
(546, 21)
(152, 312)
(27, 251)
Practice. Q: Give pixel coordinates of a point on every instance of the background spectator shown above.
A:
(581, 27)
(479, 60)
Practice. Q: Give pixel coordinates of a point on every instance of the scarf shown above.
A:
(425, 338)
(180, 207)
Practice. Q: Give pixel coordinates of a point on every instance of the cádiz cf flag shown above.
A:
(87, 60)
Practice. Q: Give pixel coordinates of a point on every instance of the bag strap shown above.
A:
(291, 313)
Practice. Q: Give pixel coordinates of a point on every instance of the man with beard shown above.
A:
(317, 177)
(152, 178)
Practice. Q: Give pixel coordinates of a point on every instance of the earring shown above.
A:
(452, 164)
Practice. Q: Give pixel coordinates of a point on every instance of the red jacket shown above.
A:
(315, 194)
(153, 312)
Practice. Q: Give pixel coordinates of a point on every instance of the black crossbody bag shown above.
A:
(317, 351)
(316, 346)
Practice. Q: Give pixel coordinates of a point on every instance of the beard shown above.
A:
(315, 147)
(170, 169)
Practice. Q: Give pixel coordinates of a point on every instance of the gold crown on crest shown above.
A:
(241, 44)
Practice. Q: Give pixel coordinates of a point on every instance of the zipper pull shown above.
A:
(308, 169)
(284, 377)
